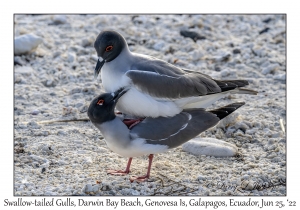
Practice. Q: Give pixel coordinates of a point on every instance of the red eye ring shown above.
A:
(109, 48)
(100, 102)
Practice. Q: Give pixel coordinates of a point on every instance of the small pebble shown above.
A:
(96, 188)
(280, 77)
(269, 69)
(159, 45)
(35, 112)
(192, 34)
(135, 192)
(24, 70)
(201, 178)
(236, 51)
(225, 73)
(56, 54)
(87, 188)
(59, 19)
(265, 30)
(71, 57)
(86, 42)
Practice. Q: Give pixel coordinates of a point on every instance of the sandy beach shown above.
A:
(56, 154)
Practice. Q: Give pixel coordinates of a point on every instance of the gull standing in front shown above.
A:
(156, 88)
(152, 135)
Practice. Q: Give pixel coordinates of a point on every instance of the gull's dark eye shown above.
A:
(100, 102)
(109, 48)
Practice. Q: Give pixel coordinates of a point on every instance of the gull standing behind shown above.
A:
(156, 88)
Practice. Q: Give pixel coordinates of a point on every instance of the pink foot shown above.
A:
(117, 172)
(139, 179)
(120, 172)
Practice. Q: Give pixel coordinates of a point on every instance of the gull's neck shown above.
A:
(114, 131)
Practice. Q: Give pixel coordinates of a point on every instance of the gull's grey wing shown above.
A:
(164, 80)
(152, 64)
(225, 85)
(191, 71)
(177, 86)
(174, 131)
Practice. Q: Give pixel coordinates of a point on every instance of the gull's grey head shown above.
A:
(102, 107)
(109, 44)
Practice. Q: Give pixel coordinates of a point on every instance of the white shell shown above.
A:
(210, 147)
(26, 43)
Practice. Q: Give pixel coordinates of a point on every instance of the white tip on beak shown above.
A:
(100, 59)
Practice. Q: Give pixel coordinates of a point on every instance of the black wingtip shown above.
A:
(226, 85)
(227, 110)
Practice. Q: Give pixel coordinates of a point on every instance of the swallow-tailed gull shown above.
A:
(156, 88)
(152, 135)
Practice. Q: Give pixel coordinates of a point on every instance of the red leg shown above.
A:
(120, 172)
(144, 178)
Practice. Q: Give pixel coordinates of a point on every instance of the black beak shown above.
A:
(98, 68)
(118, 94)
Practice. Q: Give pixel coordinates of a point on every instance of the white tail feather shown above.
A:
(205, 101)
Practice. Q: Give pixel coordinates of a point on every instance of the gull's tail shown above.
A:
(227, 110)
(207, 100)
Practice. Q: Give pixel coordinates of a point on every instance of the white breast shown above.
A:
(112, 73)
(138, 147)
(112, 80)
(143, 105)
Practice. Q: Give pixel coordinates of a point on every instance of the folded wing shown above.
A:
(176, 130)
(172, 87)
